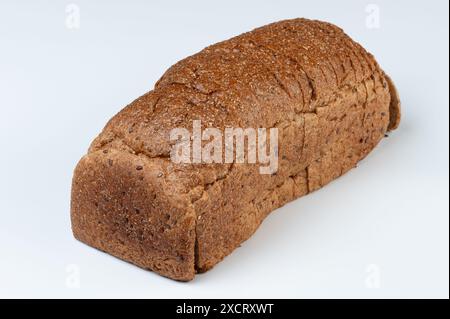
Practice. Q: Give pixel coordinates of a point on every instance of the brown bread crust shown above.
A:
(327, 96)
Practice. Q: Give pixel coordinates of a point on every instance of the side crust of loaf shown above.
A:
(120, 206)
(327, 96)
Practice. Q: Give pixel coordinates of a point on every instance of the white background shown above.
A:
(382, 230)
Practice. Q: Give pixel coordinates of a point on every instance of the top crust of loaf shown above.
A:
(256, 79)
(262, 78)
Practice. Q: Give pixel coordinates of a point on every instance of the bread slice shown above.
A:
(326, 95)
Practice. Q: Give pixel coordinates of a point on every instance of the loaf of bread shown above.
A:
(326, 95)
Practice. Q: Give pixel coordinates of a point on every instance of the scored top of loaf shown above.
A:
(262, 78)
